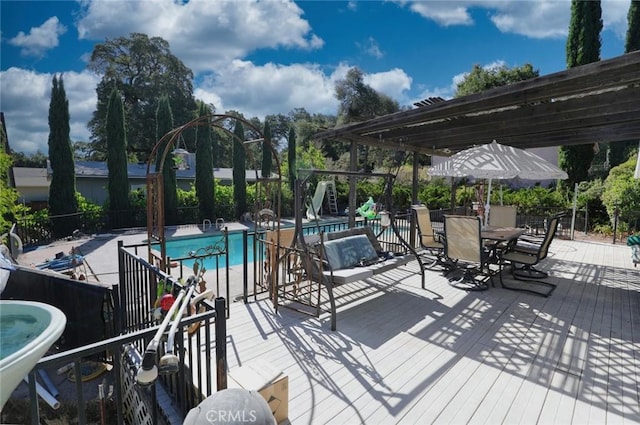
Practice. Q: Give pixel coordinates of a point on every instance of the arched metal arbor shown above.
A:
(268, 189)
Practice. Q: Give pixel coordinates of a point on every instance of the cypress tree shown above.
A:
(164, 124)
(205, 184)
(291, 157)
(632, 42)
(117, 158)
(619, 151)
(239, 171)
(62, 191)
(583, 47)
(266, 151)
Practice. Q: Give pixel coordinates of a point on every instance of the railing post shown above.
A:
(245, 265)
(221, 344)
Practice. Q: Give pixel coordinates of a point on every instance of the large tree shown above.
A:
(140, 68)
(632, 43)
(239, 171)
(485, 78)
(62, 191)
(359, 101)
(205, 184)
(583, 47)
(117, 156)
(164, 124)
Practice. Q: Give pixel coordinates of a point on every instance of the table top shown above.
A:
(502, 233)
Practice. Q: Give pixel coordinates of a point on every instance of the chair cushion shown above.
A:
(349, 252)
(365, 230)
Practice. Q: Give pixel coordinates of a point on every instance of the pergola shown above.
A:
(598, 102)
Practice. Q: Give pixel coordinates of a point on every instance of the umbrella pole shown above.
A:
(487, 206)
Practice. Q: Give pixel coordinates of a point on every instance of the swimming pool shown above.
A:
(180, 248)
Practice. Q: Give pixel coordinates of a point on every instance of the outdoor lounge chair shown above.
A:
(525, 255)
(431, 243)
(467, 253)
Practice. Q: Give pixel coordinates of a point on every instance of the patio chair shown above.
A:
(502, 215)
(525, 255)
(467, 253)
(431, 243)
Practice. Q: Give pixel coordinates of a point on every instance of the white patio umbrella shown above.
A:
(496, 161)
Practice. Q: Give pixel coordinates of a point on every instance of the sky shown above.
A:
(270, 57)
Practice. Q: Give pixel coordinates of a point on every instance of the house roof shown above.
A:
(99, 170)
(39, 177)
(586, 104)
(30, 177)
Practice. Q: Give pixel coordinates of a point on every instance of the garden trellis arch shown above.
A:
(268, 189)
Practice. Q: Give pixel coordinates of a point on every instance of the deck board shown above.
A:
(406, 355)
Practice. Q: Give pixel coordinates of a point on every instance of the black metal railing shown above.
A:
(186, 389)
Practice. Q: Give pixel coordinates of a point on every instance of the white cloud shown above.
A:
(443, 13)
(394, 83)
(25, 102)
(371, 48)
(40, 39)
(539, 19)
(534, 19)
(269, 89)
(614, 16)
(207, 34)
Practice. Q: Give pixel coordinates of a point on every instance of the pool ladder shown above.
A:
(204, 224)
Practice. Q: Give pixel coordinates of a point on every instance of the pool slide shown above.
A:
(313, 210)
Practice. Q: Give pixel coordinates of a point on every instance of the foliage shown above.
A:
(239, 171)
(225, 206)
(62, 199)
(373, 188)
(481, 79)
(35, 160)
(266, 151)
(8, 195)
(622, 192)
(92, 214)
(140, 68)
(164, 124)
(117, 157)
(360, 102)
(436, 194)
(291, 158)
(632, 41)
(590, 198)
(583, 47)
(310, 157)
(205, 184)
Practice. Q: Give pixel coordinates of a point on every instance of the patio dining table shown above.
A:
(502, 234)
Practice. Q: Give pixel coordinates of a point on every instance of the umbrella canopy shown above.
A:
(496, 161)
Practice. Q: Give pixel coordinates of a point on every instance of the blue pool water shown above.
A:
(180, 248)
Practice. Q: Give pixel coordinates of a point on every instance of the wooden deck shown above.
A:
(402, 354)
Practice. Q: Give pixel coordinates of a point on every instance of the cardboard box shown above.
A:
(271, 383)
